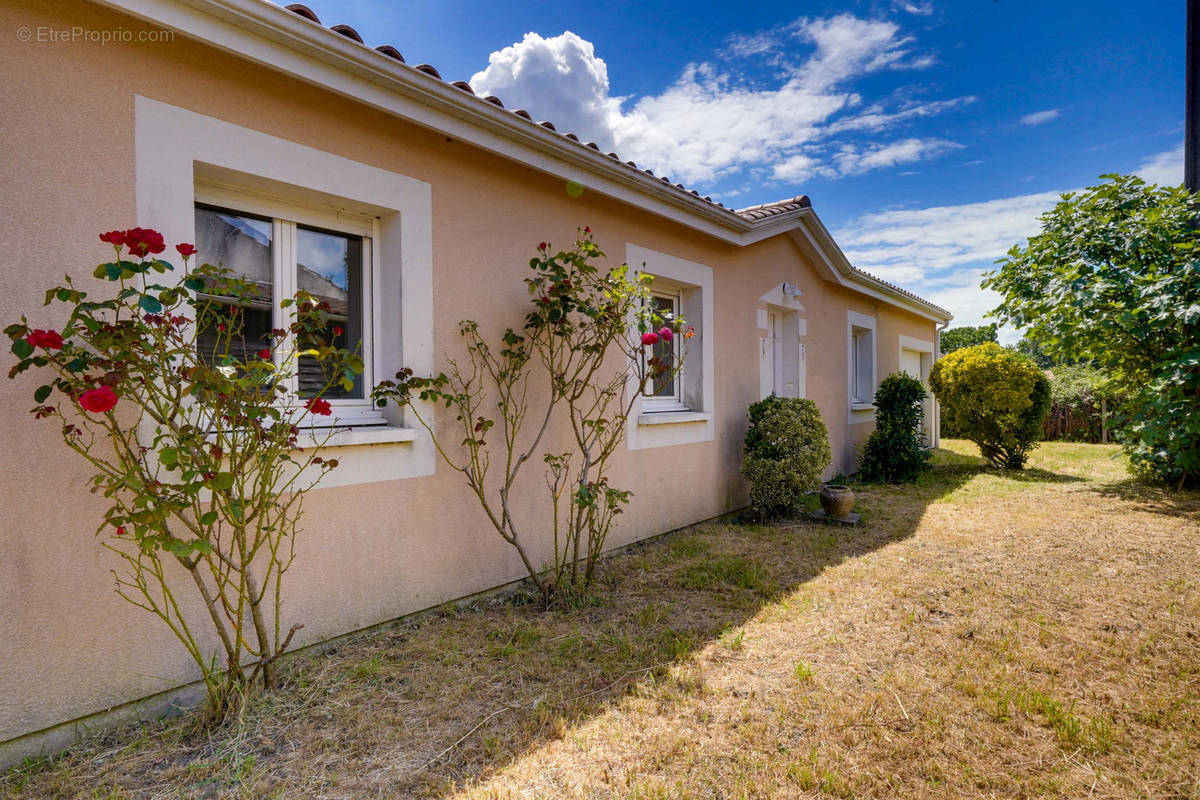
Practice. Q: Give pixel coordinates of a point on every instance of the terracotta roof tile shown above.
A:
(391, 52)
(765, 210)
(348, 32)
(751, 214)
(304, 11)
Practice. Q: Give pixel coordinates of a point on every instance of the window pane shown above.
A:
(329, 266)
(665, 351)
(242, 244)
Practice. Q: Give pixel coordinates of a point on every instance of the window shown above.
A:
(860, 367)
(861, 362)
(280, 256)
(680, 410)
(665, 393)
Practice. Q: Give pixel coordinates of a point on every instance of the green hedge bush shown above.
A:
(895, 453)
(995, 397)
(786, 450)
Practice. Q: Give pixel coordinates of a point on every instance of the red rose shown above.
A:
(264, 354)
(99, 400)
(142, 241)
(186, 249)
(337, 331)
(587, 229)
(120, 530)
(51, 340)
(221, 327)
(649, 339)
(542, 245)
(113, 237)
(319, 406)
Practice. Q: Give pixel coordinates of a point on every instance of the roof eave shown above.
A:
(320, 56)
(354, 70)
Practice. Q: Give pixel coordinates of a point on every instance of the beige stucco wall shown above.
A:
(68, 645)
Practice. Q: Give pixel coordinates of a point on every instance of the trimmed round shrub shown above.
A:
(895, 452)
(995, 397)
(786, 450)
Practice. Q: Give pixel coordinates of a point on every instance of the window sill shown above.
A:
(351, 436)
(672, 417)
(862, 406)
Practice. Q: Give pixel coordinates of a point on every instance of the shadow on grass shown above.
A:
(1155, 498)
(427, 707)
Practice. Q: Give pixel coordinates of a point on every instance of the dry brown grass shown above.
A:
(981, 635)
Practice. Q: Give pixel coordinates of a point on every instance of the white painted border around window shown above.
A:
(860, 412)
(663, 429)
(173, 145)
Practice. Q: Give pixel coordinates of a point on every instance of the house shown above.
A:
(312, 159)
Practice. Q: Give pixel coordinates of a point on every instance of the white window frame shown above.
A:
(861, 373)
(174, 149)
(650, 424)
(657, 404)
(287, 217)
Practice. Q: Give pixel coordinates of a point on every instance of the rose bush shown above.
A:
(585, 335)
(197, 454)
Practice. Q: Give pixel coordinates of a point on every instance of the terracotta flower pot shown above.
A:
(837, 501)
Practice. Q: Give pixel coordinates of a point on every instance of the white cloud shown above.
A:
(713, 121)
(853, 161)
(910, 244)
(941, 252)
(920, 9)
(1040, 117)
(1165, 169)
(560, 79)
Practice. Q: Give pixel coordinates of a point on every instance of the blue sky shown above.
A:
(929, 135)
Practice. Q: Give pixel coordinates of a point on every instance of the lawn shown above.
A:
(982, 634)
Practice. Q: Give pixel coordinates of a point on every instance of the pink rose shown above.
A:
(665, 334)
(649, 339)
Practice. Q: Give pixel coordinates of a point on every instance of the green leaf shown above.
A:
(168, 456)
(195, 284)
(208, 518)
(42, 392)
(150, 304)
(112, 271)
(22, 348)
(63, 294)
(76, 365)
(222, 481)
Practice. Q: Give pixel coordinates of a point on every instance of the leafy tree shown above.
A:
(1079, 396)
(1114, 279)
(997, 398)
(786, 450)
(895, 453)
(1028, 347)
(967, 336)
